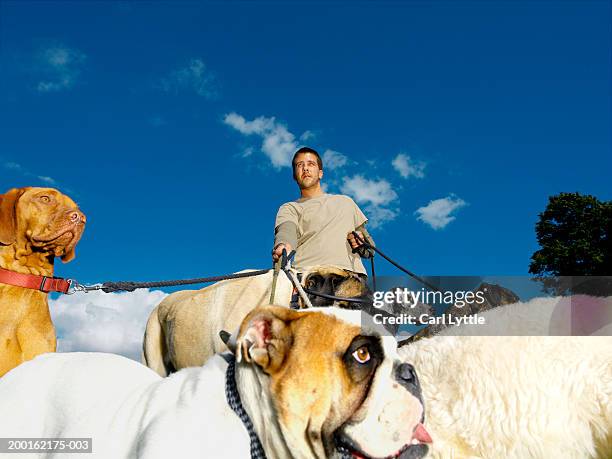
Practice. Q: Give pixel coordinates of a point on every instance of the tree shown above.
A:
(574, 235)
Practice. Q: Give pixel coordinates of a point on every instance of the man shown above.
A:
(319, 226)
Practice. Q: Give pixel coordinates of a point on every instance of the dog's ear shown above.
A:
(69, 252)
(266, 337)
(8, 215)
(229, 340)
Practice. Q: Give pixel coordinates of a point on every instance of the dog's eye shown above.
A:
(45, 199)
(362, 355)
(312, 282)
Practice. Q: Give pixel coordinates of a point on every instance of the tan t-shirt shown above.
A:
(322, 224)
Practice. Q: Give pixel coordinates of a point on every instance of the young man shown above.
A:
(319, 226)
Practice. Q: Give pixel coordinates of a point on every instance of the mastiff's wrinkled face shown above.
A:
(41, 220)
(338, 389)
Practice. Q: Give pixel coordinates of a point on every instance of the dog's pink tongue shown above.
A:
(421, 434)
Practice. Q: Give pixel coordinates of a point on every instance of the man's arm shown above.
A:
(285, 237)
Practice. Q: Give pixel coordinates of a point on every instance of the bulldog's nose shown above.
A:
(406, 373)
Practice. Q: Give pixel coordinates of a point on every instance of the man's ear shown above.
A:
(266, 337)
(8, 215)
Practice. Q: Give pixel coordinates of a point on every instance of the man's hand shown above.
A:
(353, 241)
(277, 251)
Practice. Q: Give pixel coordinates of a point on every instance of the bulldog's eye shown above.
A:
(45, 199)
(362, 355)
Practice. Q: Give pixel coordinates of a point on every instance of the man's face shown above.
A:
(307, 172)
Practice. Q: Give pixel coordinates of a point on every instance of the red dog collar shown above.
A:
(31, 281)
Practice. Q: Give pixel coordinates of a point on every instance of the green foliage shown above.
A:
(574, 235)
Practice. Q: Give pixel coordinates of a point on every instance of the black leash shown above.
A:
(355, 299)
(129, 286)
(233, 400)
(367, 245)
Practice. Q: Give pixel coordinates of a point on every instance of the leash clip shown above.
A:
(74, 287)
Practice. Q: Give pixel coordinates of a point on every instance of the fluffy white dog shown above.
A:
(520, 397)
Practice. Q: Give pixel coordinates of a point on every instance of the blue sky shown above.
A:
(172, 124)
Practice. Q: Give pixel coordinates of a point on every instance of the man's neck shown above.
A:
(312, 192)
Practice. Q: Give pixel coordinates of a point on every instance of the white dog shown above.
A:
(313, 383)
(519, 397)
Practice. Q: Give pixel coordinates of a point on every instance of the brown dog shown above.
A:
(36, 225)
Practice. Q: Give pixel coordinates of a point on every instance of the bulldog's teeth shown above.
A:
(414, 441)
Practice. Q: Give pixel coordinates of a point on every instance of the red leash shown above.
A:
(43, 283)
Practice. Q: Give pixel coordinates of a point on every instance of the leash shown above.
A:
(298, 286)
(129, 286)
(354, 299)
(367, 245)
(233, 400)
(281, 263)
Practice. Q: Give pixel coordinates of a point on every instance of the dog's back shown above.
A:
(127, 409)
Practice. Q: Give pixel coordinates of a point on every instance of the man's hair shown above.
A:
(304, 150)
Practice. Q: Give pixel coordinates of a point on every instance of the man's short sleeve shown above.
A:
(359, 217)
(286, 213)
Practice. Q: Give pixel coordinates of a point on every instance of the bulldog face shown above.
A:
(42, 219)
(337, 389)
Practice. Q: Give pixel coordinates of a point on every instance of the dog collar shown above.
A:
(233, 400)
(43, 283)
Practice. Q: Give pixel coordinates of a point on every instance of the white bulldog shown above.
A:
(314, 384)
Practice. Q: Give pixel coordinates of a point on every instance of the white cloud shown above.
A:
(103, 322)
(46, 179)
(14, 166)
(307, 136)
(192, 77)
(437, 213)
(406, 167)
(365, 191)
(278, 144)
(20, 169)
(378, 196)
(377, 216)
(333, 160)
(61, 66)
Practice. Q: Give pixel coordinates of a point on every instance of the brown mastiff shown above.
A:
(36, 225)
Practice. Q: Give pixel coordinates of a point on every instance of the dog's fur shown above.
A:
(183, 330)
(519, 397)
(301, 377)
(36, 225)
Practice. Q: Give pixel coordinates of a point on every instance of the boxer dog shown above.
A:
(314, 384)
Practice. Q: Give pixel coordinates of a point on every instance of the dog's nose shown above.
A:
(406, 374)
(77, 217)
